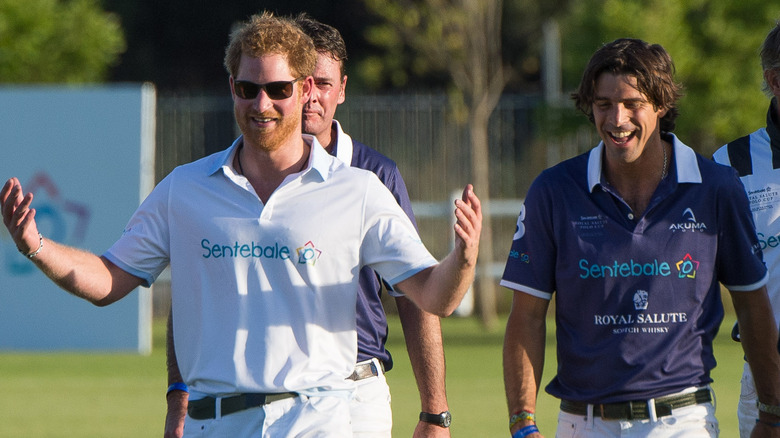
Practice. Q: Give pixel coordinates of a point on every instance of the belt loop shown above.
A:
(589, 419)
(651, 410)
(217, 408)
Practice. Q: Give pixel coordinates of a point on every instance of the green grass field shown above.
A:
(117, 395)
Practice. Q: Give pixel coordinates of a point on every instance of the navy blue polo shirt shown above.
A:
(637, 300)
(371, 319)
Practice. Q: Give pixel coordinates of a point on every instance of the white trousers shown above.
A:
(747, 410)
(696, 421)
(372, 416)
(309, 417)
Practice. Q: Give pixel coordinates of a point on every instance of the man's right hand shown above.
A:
(18, 217)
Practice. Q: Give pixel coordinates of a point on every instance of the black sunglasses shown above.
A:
(275, 90)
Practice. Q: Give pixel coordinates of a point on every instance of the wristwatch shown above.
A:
(769, 409)
(443, 420)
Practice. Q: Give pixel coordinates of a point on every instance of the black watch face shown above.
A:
(444, 419)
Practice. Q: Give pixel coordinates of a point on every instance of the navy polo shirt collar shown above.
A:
(686, 165)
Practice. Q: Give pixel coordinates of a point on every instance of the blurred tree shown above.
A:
(51, 41)
(180, 44)
(714, 45)
(461, 38)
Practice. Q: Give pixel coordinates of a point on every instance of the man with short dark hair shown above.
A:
(634, 238)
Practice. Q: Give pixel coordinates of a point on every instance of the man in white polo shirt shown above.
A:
(265, 241)
(370, 407)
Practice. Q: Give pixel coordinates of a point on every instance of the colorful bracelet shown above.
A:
(525, 431)
(521, 416)
(177, 386)
(758, 420)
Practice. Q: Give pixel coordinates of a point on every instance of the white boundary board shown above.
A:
(87, 154)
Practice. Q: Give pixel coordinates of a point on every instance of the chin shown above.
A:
(313, 128)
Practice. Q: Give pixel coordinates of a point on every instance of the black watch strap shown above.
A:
(443, 419)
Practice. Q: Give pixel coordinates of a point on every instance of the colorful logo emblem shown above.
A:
(308, 254)
(687, 267)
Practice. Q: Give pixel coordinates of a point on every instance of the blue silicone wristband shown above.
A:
(181, 386)
(525, 431)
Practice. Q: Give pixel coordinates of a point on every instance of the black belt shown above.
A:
(366, 369)
(638, 410)
(206, 408)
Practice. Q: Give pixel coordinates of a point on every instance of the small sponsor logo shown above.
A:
(640, 300)
(689, 223)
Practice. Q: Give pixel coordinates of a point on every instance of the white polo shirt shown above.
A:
(264, 295)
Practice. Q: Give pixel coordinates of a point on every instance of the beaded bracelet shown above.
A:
(521, 416)
(525, 431)
(35, 253)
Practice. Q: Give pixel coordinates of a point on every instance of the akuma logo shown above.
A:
(689, 223)
(58, 218)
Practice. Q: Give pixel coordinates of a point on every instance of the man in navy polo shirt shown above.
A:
(756, 158)
(634, 238)
(371, 413)
(370, 407)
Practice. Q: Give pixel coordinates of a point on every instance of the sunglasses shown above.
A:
(275, 90)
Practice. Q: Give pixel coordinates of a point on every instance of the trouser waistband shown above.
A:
(206, 408)
(640, 409)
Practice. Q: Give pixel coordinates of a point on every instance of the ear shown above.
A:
(232, 89)
(343, 91)
(772, 78)
(307, 87)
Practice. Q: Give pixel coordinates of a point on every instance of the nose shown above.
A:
(618, 114)
(262, 101)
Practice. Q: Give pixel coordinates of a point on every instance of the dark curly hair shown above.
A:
(650, 64)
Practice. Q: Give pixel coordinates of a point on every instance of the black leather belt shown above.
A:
(638, 410)
(366, 369)
(206, 408)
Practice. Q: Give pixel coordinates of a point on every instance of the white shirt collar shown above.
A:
(343, 144)
(319, 159)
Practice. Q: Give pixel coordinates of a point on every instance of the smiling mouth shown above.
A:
(622, 137)
(263, 120)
